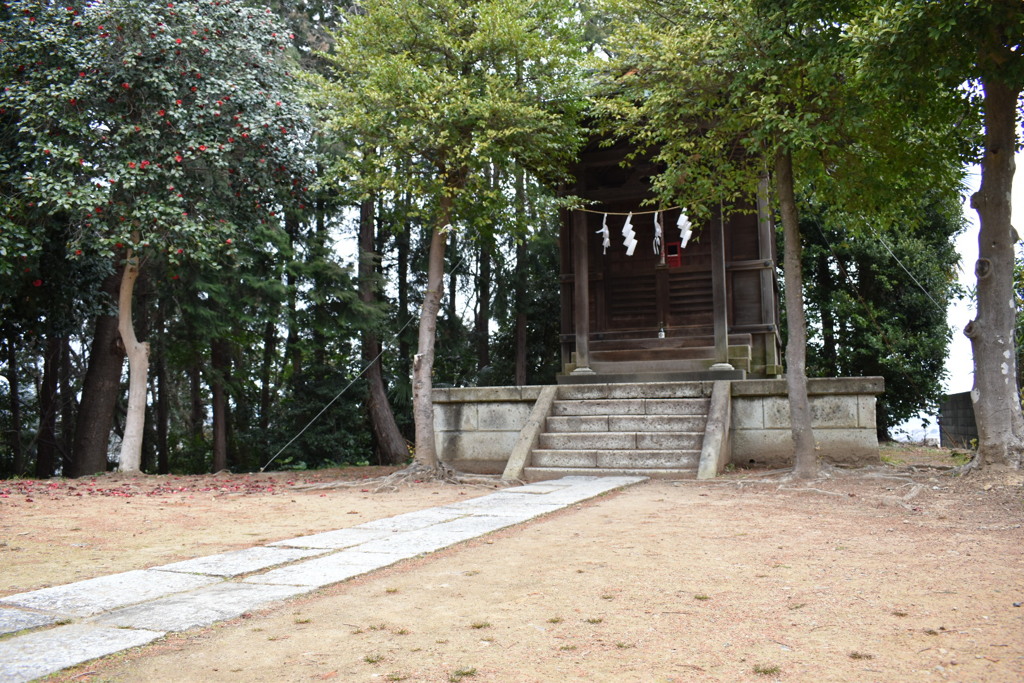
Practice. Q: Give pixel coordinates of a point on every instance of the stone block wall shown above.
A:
(842, 412)
(475, 428)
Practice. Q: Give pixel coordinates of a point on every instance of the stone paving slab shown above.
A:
(342, 538)
(239, 562)
(85, 598)
(143, 605)
(13, 620)
(201, 607)
(45, 652)
(411, 521)
(323, 571)
(500, 501)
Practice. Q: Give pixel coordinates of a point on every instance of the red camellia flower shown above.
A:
(161, 112)
(228, 242)
(177, 157)
(178, 41)
(202, 148)
(78, 252)
(131, 164)
(37, 283)
(231, 139)
(177, 102)
(145, 164)
(126, 86)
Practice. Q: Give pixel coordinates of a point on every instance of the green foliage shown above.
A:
(426, 98)
(163, 125)
(869, 316)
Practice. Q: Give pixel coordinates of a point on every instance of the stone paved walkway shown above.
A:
(89, 619)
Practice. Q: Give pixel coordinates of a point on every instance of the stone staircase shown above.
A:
(653, 430)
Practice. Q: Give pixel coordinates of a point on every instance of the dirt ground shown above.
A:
(898, 573)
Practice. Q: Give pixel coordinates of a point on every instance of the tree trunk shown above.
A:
(100, 391)
(46, 442)
(13, 378)
(402, 249)
(269, 352)
(423, 363)
(390, 442)
(138, 369)
(805, 461)
(221, 365)
(520, 281)
(995, 395)
(163, 414)
(67, 406)
(483, 308)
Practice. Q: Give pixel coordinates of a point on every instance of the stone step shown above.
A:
(631, 406)
(647, 389)
(601, 441)
(626, 423)
(535, 474)
(656, 366)
(636, 459)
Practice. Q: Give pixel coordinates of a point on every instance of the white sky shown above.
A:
(959, 362)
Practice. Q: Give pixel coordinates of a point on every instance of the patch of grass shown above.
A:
(471, 572)
(390, 591)
(480, 624)
(567, 648)
(395, 676)
(401, 632)
(798, 605)
(441, 641)
(378, 627)
(593, 620)
(960, 458)
(373, 659)
(624, 646)
(762, 670)
(555, 620)
(861, 655)
(459, 674)
(899, 613)
(607, 597)
(701, 596)
(891, 460)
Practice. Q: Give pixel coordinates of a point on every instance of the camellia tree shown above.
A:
(429, 99)
(156, 130)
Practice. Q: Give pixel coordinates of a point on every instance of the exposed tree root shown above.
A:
(414, 474)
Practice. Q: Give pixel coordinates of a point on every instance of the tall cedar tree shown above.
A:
(445, 92)
(725, 92)
(975, 49)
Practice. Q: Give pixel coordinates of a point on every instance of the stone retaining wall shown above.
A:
(842, 412)
(476, 428)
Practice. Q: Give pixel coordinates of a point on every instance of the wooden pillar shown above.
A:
(581, 292)
(720, 301)
(766, 245)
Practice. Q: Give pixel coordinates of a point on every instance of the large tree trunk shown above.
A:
(67, 406)
(423, 363)
(390, 442)
(805, 461)
(995, 395)
(138, 369)
(46, 442)
(100, 391)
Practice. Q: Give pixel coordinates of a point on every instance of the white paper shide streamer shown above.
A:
(685, 227)
(657, 234)
(606, 240)
(629, 235)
